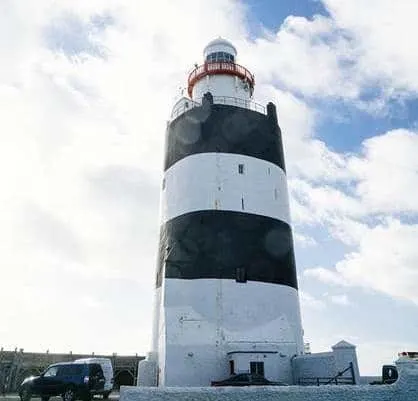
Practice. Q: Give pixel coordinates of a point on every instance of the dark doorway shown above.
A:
(123, 378)
(231, 368)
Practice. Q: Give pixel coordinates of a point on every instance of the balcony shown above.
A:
(186, 104)
(219, 68)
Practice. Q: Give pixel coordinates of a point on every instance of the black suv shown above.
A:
(70, 380)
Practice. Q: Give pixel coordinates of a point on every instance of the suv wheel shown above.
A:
(25, 394)
(68, 395)
(87, 397)
(106, 395)
(45, 398)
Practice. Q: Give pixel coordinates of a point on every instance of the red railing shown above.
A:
(217, 68)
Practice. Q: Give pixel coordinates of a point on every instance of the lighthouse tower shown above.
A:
(226, 289)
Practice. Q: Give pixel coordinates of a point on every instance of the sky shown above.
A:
(86, 89)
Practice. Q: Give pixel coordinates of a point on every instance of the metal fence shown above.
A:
(226, 100)
(339, 378)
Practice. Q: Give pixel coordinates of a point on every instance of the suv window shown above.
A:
(95, 370)
(51, 372)
(70, 370)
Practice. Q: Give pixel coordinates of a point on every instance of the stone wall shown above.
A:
(405, 389)
(322, 367)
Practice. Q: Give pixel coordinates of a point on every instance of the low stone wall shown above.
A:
(405, 389)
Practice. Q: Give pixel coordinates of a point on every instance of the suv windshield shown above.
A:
(51, 372)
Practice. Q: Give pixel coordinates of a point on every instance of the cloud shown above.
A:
(326, 275)
(364, 60)
(76, 38)
(324, 202)
(381, 180)
(340, 299)
(303, 240)
(387, 172)
(308, 301)
(384, 261)
(305, 56)
(372, 354)
(381, 32)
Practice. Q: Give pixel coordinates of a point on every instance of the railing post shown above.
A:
(353, 378)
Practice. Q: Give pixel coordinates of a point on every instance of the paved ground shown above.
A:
(14, 397)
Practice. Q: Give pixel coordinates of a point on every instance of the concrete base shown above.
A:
(405, 389)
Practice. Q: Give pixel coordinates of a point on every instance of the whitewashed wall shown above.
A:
(211, 181)
(221, 85)
(200, 337)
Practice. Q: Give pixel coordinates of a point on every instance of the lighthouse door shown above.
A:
(257, 368)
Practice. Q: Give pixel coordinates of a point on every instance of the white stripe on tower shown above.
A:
(225, 181)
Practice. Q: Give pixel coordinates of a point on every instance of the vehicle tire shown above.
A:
(45, 398)
(87, 397)
(68, 394)
(106, 395)
(25, 394)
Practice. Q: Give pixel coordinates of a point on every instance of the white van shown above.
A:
(107, 368)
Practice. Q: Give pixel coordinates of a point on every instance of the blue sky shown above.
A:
(269, 14)
(85, 91)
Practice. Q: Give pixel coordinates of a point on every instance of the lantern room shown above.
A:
(220, 75)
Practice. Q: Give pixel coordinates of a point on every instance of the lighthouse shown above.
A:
(226, 294)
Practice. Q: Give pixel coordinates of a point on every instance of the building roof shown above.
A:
(343, 344)
(220, 41)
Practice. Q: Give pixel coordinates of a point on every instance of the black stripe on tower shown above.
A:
(227, 245)
(226, 129)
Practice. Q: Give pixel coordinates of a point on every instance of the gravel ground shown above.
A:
(14, 397)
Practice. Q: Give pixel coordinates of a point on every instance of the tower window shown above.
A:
(242, 204)
(163, 183)
(220, 57)
(240, 169)
(241, 275)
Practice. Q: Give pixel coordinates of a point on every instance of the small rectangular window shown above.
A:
(163, 183)
(241, 275)
(276, 195)
(242, 204)
(257, 368)
(240, 169)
